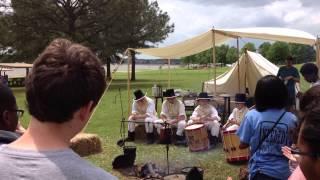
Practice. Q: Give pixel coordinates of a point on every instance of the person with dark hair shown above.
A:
(310, 73)
(308, 141)
(308, 138)
(143, 112)
(9, 116)
(62, 90)
(266, 129)
(290, 76)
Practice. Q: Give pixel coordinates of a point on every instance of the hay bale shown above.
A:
(86, 144)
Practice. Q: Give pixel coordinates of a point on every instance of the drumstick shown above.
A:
(225, 125)
(252, 107)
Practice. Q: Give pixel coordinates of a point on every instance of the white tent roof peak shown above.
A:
(252, 66)
(204, 41)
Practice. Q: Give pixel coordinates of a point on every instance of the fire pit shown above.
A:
(151, 170)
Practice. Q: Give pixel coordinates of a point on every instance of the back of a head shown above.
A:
(309, 138)
(7, 100)
(310, 99)
(309, 68)
(271, 93)
(64, 78)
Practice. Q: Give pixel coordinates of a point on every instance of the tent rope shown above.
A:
(108, 85)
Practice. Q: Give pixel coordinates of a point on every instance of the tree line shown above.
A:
(276, 52)
(108, 27)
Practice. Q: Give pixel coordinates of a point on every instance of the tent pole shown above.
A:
(169, 73)
(318, 52)
(214, 60)
(128, 83)
(238, 64)
(245, 73)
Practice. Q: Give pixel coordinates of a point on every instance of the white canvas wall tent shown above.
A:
(252, 66)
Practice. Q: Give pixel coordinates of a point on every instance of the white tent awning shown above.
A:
(204, 41)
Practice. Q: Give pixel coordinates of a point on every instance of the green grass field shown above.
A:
(106, 123)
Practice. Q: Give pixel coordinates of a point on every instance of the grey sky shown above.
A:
(193, 17)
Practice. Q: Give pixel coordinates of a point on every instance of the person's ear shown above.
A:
(5, 117)
(86, 111)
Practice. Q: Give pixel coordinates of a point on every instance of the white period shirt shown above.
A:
(148, 108)
(238, 114)
(172, 111)
(205, 111)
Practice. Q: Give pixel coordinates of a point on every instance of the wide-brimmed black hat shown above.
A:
(203, 95)
(169, 93)
(240, 98)
(139, 95)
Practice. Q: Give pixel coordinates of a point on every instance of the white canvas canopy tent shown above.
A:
(213, 37)
(252, 66)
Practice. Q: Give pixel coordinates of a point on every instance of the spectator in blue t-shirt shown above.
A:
(290, 76)
(267, 160)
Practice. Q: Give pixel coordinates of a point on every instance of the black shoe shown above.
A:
(131, 137)
(213, 140)
(150, 138)
(180, 140)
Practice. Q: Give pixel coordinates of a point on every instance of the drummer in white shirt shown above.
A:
(237, 114)
(206, 114)
(173, 113)
(143, 112)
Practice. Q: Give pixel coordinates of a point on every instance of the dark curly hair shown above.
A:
(65, 77)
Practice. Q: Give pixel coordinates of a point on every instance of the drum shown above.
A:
(165, 135)
(231, 144)
(197, 137)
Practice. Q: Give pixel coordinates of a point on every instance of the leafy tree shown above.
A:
(278, 52)
(221, 53)
(188, 60)
(264, 48)
(106, 26)
(302, 53)
(232, 55)
(249, 46)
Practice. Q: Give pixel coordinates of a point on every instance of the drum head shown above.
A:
(194, 126)
(230, 132)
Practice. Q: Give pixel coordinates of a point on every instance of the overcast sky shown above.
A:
(193, 17)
